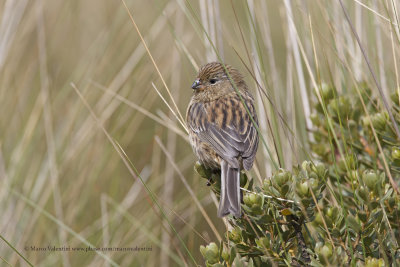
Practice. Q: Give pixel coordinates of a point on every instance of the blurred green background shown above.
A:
(63, 183)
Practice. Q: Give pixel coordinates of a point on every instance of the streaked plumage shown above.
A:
(221, 132)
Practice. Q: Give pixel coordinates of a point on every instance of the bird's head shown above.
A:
(213, 77)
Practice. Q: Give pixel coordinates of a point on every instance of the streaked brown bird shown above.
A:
(221, 131)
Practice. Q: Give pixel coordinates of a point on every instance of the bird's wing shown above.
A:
(226, 126)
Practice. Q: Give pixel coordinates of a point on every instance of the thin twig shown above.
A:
(271, 197)
(304, 255)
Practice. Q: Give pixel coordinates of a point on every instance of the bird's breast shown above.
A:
(204, 152)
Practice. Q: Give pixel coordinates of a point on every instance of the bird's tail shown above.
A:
(229, 202)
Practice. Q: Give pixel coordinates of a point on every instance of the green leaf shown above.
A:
(238, 262)
(353, 223)
(387, 195)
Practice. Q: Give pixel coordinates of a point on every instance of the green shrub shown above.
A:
(338, 208)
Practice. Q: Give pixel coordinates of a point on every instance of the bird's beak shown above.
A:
(196, 84)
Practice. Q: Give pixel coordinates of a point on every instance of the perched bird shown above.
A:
(221, 131)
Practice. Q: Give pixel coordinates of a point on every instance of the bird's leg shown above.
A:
(243, 182)
(210, 180)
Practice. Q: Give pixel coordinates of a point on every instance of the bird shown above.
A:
(222, 125)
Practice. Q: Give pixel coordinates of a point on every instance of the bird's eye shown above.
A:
(213, 81)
